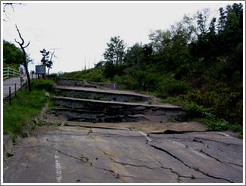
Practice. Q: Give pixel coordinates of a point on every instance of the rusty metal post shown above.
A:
(15, 89)
(9, 95)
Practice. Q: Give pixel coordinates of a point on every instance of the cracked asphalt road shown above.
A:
(98, 155)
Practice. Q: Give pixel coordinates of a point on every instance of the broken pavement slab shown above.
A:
(102, 94)
(214, 154)
(104, 111)
(124, 156)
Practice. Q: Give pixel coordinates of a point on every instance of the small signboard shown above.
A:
(40, 69)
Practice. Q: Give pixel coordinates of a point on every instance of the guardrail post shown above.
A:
(15, 89)
(8, 72)
(9, 95)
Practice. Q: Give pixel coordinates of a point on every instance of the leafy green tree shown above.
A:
(135, 55)
(50, 62)
(11, 53)
(115, 52)
(171, 46)
(45, 57)
(222, 20)
(202, 18)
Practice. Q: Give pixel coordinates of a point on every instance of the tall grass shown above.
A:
(20, 114)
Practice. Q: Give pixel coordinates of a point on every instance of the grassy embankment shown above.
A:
(19, 116)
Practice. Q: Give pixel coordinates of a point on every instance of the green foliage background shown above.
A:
(12, 55)
(195, 63)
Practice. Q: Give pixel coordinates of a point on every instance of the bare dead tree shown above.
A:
(24, 56)
(12, 5)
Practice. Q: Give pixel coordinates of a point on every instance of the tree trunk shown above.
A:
(24, 57)
(27, 72)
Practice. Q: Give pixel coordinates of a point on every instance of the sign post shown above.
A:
(40, 69)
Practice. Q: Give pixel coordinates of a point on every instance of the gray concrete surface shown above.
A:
(117, 92)
(53, 155)
(11, 83)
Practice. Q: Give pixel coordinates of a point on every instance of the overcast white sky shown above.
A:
(80, 30)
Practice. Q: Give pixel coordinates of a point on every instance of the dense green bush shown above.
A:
(215, 123)
(119, 79)
(182, 71)
(225, 103)
(112, 69)
(142, 80)
(168, 86)
(43, 84)
(195, 111)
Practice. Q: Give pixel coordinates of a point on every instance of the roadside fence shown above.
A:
(10, 72)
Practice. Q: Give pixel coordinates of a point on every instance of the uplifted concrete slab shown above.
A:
(117, 92)
(77, 100)
(93, 155)
(111, 111)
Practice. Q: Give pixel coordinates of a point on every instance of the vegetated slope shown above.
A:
(12, 55)
(18, 118)
(196, 63)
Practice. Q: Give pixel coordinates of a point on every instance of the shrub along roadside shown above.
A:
(18, 116)
(200, 113)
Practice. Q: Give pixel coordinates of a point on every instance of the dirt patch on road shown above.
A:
(150, 126)
(145, 126)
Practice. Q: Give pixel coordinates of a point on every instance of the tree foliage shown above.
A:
(47, 59)
(115, 52)
(199, 60)
(11, 53)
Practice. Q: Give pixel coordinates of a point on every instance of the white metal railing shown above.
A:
(10, 72)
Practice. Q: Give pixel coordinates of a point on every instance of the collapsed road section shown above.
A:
(80, 103)
(108, 136)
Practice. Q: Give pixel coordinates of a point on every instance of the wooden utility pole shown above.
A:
(24, 56)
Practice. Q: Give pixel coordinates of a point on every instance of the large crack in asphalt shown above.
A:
(96, 127)
(194, 168)
(177, 132)
(177, 173)
(145, 166)
(206, 139)
(224, 162)
(123, 163)
(148, 141)
(111, 172)
(135, 165)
